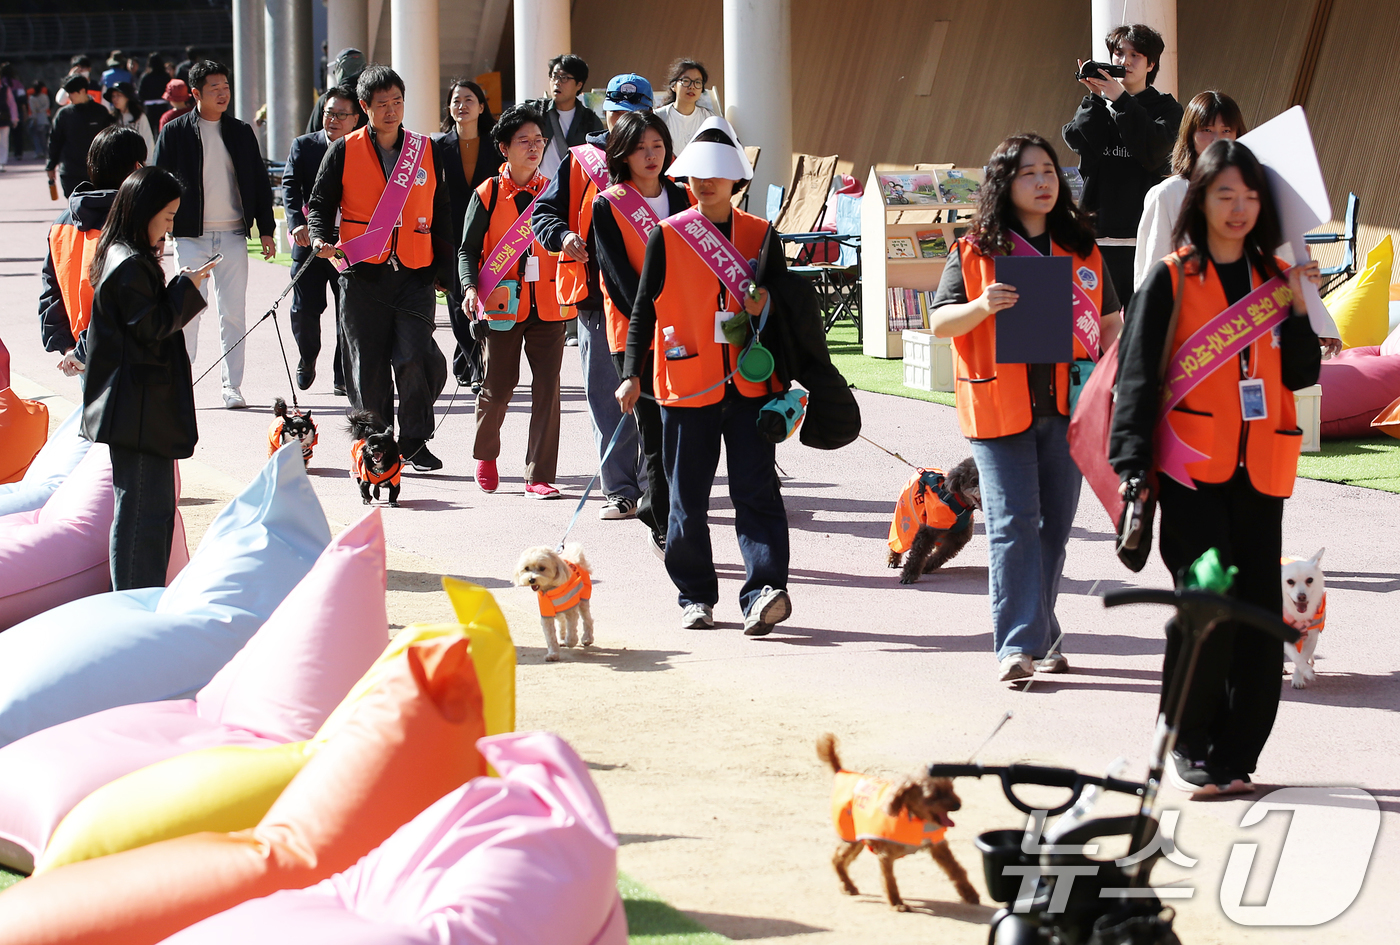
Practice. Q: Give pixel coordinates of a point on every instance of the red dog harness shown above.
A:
(578, 587)
(391, 475)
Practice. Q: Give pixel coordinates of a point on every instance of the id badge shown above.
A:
(1252, 403)
(720, 319)
(532, 269)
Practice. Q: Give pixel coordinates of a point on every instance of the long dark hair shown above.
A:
(141, 196)
(134, 106)
(678, 70)
(1069, 226)
(625, 138)
(1202, 112)
(1191, 227)
(484, 121)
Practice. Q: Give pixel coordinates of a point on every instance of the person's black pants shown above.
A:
(466, 357)
(308, 304)
(68, 182)
(388, 319)
(1118, 262)
(1234, 694)
(144, 520)
(654, 507)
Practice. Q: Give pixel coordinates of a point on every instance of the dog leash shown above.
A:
(447, 410)
(578, 510)
(883, 450)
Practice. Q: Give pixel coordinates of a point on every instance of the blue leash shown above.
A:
(594, 481)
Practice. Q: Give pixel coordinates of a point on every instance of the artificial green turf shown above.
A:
(1371, 463)
(650, 921)
(7, 878)
(878, 375)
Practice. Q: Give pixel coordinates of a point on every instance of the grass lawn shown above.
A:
(1371, 463)
(7, 878)
(878, 375)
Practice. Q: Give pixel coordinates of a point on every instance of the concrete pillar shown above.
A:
(543, 30)
(290, 82)
(1158, 14)
(414, 50)
(347, 25)
(248, 85)
(758, 85)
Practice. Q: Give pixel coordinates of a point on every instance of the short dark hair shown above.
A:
(1202, 112)
(112, 156)
(1144, 39)
(193, 53)
(678, 70)
(377, 78)
(80, 62)
(1069, 226)
(341, 91)
(1191, 227)
(512, 120)
(573, 65)
(141, 196)
(626, 136)
(484, 122)
(202, 70)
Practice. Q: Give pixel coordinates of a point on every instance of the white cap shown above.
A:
(713, 158)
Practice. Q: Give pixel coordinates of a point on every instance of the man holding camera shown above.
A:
(1123, 132)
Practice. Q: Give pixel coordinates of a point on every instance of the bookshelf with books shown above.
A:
(910, 216)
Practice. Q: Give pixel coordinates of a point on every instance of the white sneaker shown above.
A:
(771, 607)
(1015, 666)
(1052, 663)
(617, 507)
(697, 617)
(233, 399)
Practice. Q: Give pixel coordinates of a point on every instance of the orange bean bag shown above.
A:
(24, 429)
(406, 745)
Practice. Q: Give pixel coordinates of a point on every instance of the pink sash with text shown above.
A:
(387, 211)
(732, 270)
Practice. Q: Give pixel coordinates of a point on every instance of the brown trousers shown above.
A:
(544, 348)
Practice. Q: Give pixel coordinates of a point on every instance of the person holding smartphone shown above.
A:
(1123, 132)
(139, 395)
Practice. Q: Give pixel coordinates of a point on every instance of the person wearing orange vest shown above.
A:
(1248, 441)
(680, 308)
(65, 301)
(497, 207)
(1016, 416)
(639, 151)
(388, 300)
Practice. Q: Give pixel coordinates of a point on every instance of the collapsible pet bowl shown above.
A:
(509, 307)
(756, 364)
(1000, 849)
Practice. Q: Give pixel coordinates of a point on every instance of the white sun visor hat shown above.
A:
(713, 158)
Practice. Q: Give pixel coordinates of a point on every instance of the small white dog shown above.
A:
(1305, 610)
(563, 584)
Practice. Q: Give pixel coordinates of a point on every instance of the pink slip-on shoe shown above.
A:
(486, 476)
(541, 490)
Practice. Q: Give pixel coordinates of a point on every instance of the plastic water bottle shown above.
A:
(674, 349)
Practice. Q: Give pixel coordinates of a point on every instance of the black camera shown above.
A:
(1091, 70)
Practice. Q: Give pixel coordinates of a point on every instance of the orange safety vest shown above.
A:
(72, 251)
(1209, 418)
(571, 282)
(274, 438)
(392, 475)
(362, 184)
(617, 319)
(858, 808)
(579, 587)
(503, 217)
(995, 399)
(688, 302)
(926, 501)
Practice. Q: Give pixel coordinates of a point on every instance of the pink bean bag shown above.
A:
(279, 688)
(528, 858)
(1356, 386)
(59, 552)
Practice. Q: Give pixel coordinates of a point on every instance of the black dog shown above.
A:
(375, 456)
(941, 507)
(287, 426)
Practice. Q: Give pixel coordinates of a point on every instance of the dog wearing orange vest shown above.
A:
(933, 519)
(1305, 610)
(563, 585)
(891, 820)
(374, 457)
(288, 426)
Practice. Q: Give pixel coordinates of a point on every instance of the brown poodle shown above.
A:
(891, 820)
(941, 508)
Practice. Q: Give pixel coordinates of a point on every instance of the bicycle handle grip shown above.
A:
(955, 771)
(1139, 595)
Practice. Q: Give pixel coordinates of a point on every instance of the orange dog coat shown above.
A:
(858, 808)
(274, 438)
(363, 474)
(926, 500)
(577, 588)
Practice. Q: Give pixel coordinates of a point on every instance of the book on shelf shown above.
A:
(907, 308)
(900, 190)
(932, 244)
(900, 247)
(960, 184)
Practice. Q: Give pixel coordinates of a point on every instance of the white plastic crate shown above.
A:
(1309, 401)
(928, 361)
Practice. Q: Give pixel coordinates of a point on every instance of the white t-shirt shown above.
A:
(223, 205)
(683, 127)
(566, 118)
(554, 154)
(661, 206)
(1160, 209)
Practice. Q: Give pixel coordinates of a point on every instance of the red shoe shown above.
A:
(486, 476)
(541, 490)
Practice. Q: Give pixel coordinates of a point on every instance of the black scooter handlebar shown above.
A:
(1012, 775)
(1204, 606)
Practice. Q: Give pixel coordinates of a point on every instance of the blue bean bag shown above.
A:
(55, 461)
(157, 643)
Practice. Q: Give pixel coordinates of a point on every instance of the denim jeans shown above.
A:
(691, 443)
(1030, 491)
(620, 472)
(144, 519)
(225, 290)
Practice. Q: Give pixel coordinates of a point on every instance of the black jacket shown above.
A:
(180, 151)
(606, 245)
(1124, 150)
(74, 127)
(551, 219)
(138, 393)
(303, 161)
(796, 334)
(459, 189)
(87, 210)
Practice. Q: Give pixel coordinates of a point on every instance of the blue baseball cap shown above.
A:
(627, 93)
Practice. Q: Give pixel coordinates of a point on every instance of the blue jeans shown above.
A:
(1030, 490)
(622, 473)
(691, 438)
(144, 518)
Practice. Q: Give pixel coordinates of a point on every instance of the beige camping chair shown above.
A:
(805, 200)
(741, 199)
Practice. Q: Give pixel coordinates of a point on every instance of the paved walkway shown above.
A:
(905, 674)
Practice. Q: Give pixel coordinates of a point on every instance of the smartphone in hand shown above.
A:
(213, 261)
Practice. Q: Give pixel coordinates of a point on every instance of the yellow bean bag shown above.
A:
(231, 788)
(1361, 308)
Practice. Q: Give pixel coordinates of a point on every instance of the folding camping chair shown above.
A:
(1333, 276)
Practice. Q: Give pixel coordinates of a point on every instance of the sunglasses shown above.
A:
(629, 98)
